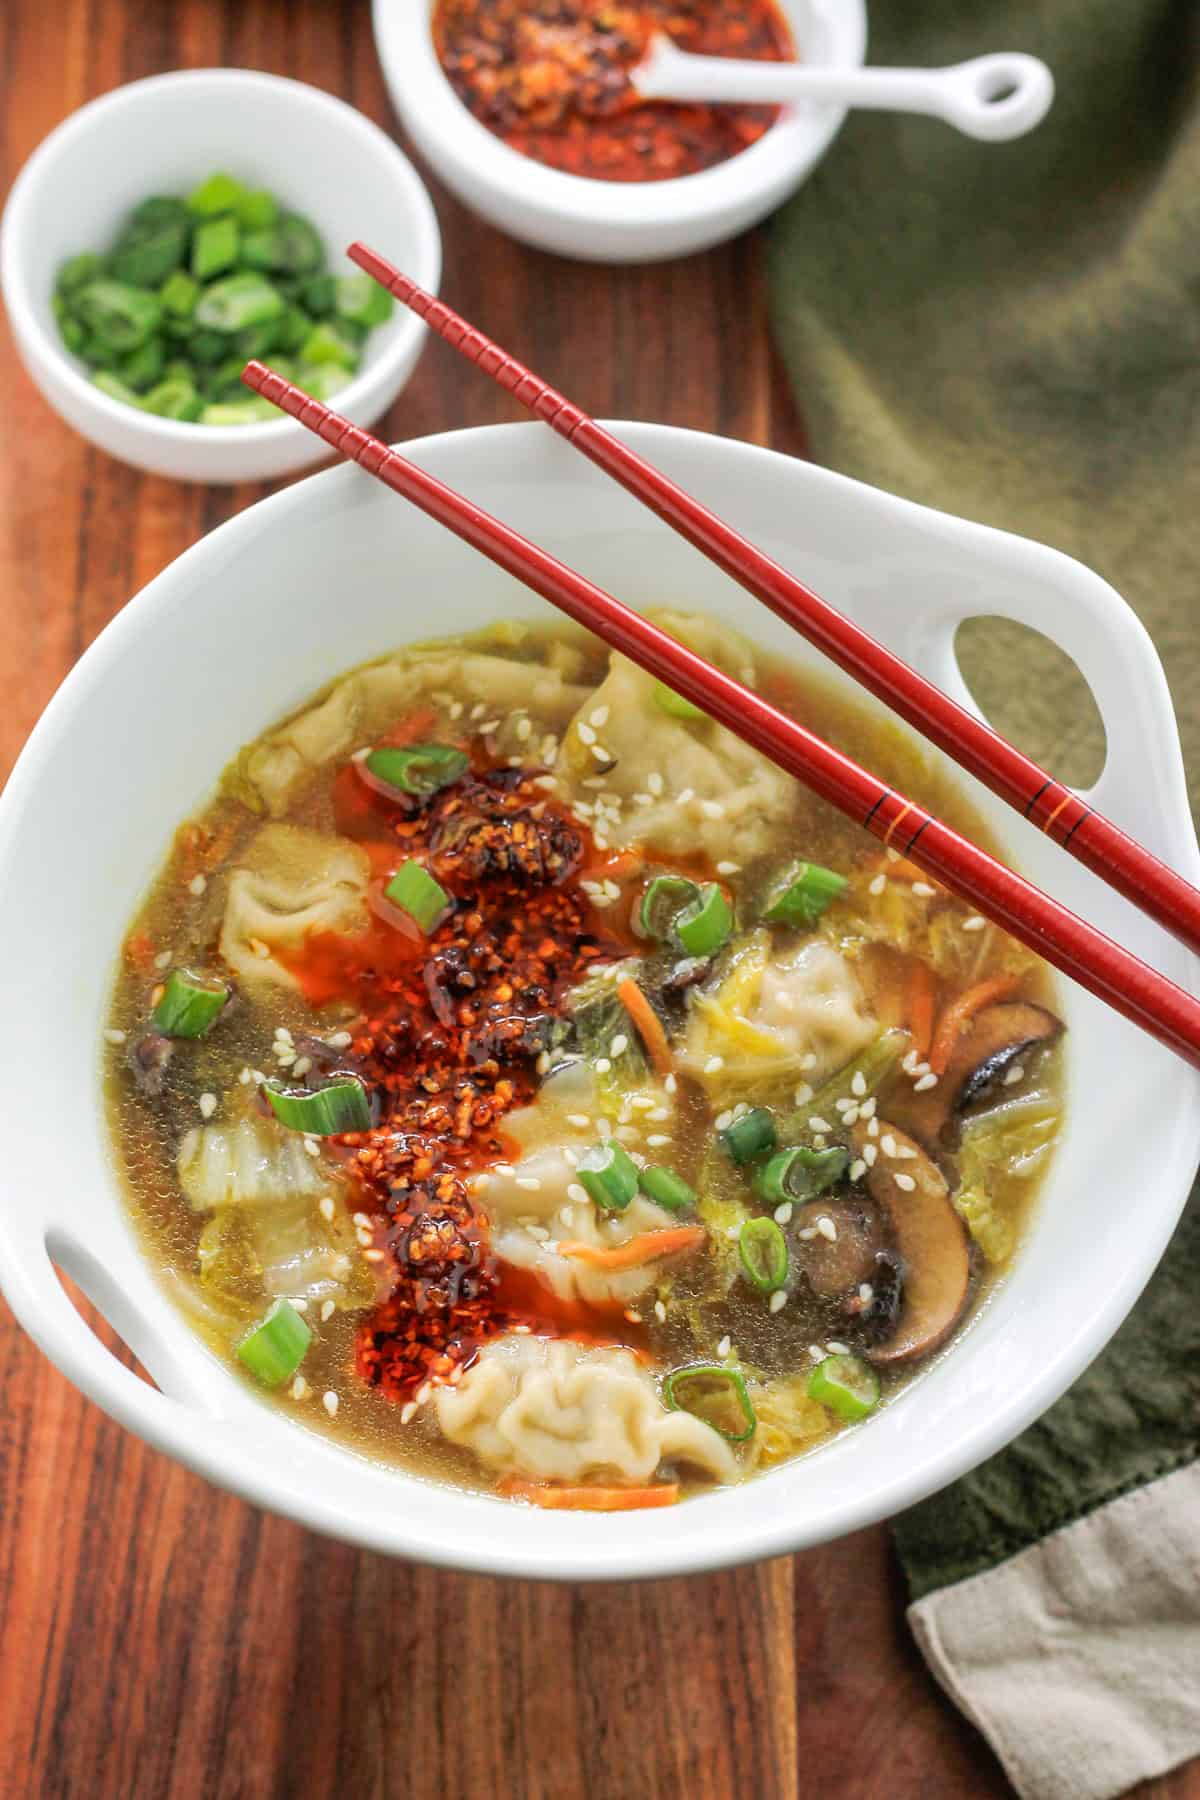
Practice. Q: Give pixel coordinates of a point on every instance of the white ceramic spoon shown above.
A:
(991, 97)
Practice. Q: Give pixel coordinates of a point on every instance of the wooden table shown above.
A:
(161, 1638)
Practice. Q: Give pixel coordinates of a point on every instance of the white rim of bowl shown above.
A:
(404, 43)
(22, 305)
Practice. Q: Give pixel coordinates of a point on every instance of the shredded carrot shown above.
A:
(139, 951)
(649, 1025)
(643, 1248)
(920, 1007)
(623, 864)
(959, 1014)
(588, 1499)
(903, 868)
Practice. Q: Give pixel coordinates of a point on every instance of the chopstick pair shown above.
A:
(1120, 979)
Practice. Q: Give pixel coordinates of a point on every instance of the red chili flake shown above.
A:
(551, 78)
(451, 1028)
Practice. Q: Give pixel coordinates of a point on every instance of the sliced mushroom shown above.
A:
(930, 1237)
(833, 1265)
(993, 1044)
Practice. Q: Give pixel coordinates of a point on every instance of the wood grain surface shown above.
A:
(163, 1639)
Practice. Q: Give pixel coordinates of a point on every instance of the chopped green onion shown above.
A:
(190, 1005)
(664, 899)
(609, 1174)
(238, 301)
(675, 704)
(414, 890)
(847, 1385)
(802, 895)
(218, 193)
(764, 1253)
(666, 1187)
(325, 1112)
(361, 298)
(214, 249)
(419, 769)
(715, 1394)
(751, 1135)
(274, 1349)
(703, 926)
(800, 1173)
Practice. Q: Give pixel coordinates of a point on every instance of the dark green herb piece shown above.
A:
(326, 344)
(77, 271)
(255, 209)
(715, 1393)
(190, 1004)
(609, 1174)
(414, 890)
(178, 295)
(802, 895)
(318, 294)
(118, 316)
(220, 193)
(325, 1112)
(214, 247)
(290, 247)
(749, 1136)
(800, 1173)
(705, 924)
(664, 899)
(417, 768)
(847, 1385)
(764, 1254)
(274, 1348)
(174, 398)
(143, 367)
(666, 1188)
(237, 301)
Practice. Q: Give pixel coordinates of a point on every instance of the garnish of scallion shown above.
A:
(764, 1254)
(847, 1385)
(274, 1348)
(749, 1136)
(417, 768)
(414, 890)
(189, 1004)
(666, 1188)
(715, 1393)
(801, 1173)
(664, 899)
(670, 702)
(703, 925)
(609, 1175)
(325, 1112)
(802, 895)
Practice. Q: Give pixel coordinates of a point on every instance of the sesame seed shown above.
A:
(114, 1036)
(858, 1084)
(546, 781)
(659, 1112)
(904, 1182)
(1013, 1075)
(867, 1109)
(733, 1231)
(729, 868)
(712, 809)
(976, 922)
(542, 1064)
(866, 1292)
(777, 1302)
(311, 1146)
(408, 1412)
(340, 1040)
(363, 1236)
(657, 1140)
(300, 1304)
(602, 1065)
(523, 730)
(503, 1168)
(817, 1352)
(599, 717)
(724, 1120)
(627, 1134)
(887, 1144)
(836, 1349)
(423, 1393)
(803, 1094)
(858, 1169)
(208, 1105)
(619, 1045)
(910, 1063)
(906, 1152)
(925, 1083)
(373, 1256)
(635, 1318)
(488, 726)
(654, 782)
(686, 794)
(586, 734)
(163, 959)
(456, 709)
(600, 753)
(827, 1228)
(570, 1156)
(850, 1116)
(870, 1152)
(329, 1401)
(660, 1312)
(580, 1120)
(529, 1182)
(197, 885)
(299, 1388)
(670, 1084)
(892, 855)
(725, 1346)
(538, 1233)
(783, 1214)
(923, 891)
(644, 1103)
(807, 1233)
(302, 1065)
(877, 886)
(714, 1065)
(246, 1077)
(809, 1060)
(325, 1208)
(327, 1310)
(817, 1123)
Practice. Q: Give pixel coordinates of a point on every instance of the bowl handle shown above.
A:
(1142, 786)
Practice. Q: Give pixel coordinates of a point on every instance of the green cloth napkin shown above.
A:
(1012, 332)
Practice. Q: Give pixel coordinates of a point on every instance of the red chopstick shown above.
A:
(1129, 986)
(1101, 846)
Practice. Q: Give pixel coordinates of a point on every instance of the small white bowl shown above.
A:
(612, 221)
(258, 615)
(162, 136)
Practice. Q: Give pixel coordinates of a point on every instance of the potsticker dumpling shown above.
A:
(550, 1410)
(773, 1012)
(680, 786)
(289, 883)
(367, 702)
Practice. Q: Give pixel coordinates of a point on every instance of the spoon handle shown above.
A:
(991, 97)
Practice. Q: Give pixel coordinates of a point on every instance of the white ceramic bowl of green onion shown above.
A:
(169, 136)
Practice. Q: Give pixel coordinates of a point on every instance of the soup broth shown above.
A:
(516, 1077)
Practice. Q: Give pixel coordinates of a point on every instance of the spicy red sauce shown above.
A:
(450, 1030)
(550, 77)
